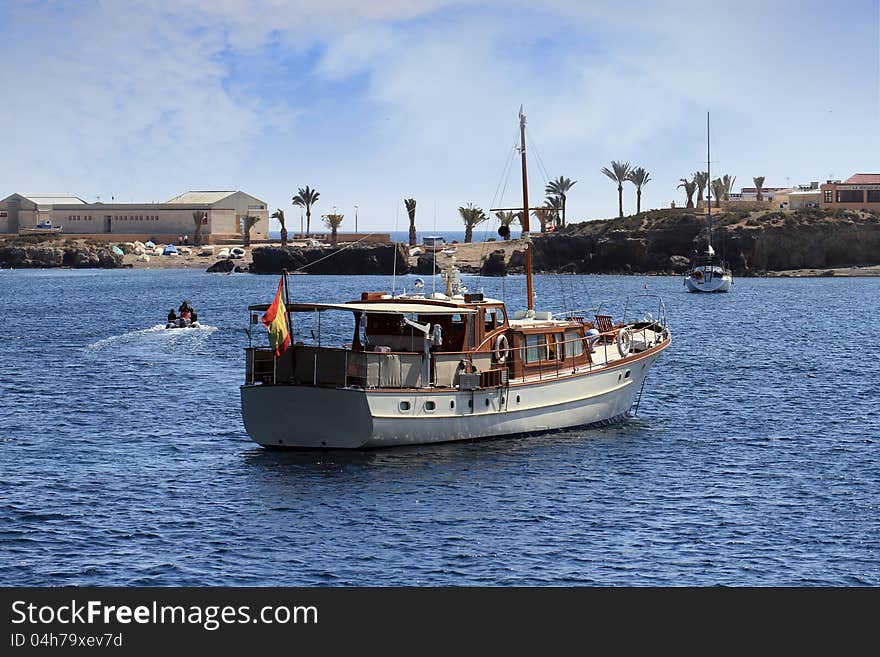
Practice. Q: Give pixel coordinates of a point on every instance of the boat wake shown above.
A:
(158, 332)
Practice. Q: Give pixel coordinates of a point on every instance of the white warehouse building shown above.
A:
(221, 212)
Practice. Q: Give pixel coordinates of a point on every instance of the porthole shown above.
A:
(619, 377)
(626, 376)
(404, 406)
(487, 401)
(430, 406)
(452, 404)
(517, 399)
(502, 399)
(470, 403)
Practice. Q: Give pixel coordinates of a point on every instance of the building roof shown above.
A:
(754, 190)
(53, 199)
(195, 196)
(863, 179)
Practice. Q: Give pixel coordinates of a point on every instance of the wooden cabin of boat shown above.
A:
(463, 342)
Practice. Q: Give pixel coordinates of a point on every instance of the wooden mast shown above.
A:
(525, 216)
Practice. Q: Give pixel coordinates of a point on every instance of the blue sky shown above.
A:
(374, 102)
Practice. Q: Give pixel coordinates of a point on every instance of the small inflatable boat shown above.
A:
(180, 322)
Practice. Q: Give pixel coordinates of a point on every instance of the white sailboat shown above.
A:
(708, 272)
(448, 366)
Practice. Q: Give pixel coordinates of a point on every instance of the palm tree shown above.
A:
(247, 222)
(332, 222)
(279, 215)
(559, 188)
(506, 219)
(728, 185)
(618, 173)
(690, 186)
(718, 188)
(410, 204)
(199, 217)
(639, 177)
(472, 217)
(543, 215)
(702, 180)
(306, 198)
(554, 203)
(759, 185)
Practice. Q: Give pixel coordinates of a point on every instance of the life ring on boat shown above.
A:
(502, 348)
(698, 275)
(648, 317)
(624, 342)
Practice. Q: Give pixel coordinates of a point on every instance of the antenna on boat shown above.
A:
(526, 237)
(434, 266)
(709, 185)
(287, 303)
(394, 254)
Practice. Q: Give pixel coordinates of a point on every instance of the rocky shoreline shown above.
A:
(659, 242)
(37, 253)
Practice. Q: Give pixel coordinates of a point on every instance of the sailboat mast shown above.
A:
(709, 185)
(525, 216)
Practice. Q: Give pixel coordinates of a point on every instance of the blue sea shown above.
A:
(754, 459)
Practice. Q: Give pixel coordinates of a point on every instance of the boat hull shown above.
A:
(350, 418)
(707, 284)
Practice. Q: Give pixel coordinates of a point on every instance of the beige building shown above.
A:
(860, 191)
(222, 213)
(805, 196)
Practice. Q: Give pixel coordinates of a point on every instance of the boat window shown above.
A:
(491, 319)
(554, 351)
(536, 348)
(471, 328)
(430, 406)
(404, 406)
(574, 345)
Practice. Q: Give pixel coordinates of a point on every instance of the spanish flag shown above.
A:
(275, 319)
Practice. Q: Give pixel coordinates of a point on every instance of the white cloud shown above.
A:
(371, 102)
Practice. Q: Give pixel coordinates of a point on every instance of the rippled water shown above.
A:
(755, 458)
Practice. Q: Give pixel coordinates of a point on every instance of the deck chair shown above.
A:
(604, 325)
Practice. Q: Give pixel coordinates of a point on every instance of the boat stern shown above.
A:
(306, 416)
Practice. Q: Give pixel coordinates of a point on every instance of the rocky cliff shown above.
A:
(37, 253)
(661, 241)
(362, 260)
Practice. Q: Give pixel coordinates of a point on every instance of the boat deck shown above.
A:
(605, 353)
